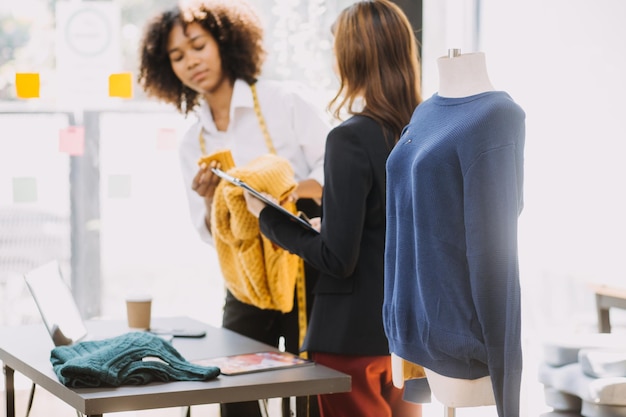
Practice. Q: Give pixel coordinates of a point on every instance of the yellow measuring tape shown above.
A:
(301, 300)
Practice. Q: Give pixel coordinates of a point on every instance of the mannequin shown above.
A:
(463, 75)
(460, 76)
(451, 392)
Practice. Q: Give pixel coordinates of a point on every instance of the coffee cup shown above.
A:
(138, 311)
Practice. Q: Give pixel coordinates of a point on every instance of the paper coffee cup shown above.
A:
(138, 310)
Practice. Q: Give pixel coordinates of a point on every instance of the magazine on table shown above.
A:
(254, 362)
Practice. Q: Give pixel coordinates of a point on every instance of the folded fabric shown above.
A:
(134, 358)
(255, 270)
(603, 363)
(417, 391)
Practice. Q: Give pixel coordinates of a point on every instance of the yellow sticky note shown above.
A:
(27, 85)
(121, 85)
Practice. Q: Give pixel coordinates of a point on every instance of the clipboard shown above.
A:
(300, 219)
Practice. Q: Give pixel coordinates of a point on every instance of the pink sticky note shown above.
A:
(72, 140)
(166, 139)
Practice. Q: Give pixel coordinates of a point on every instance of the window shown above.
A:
(102, 212)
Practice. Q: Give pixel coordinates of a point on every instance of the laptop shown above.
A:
(60, 312)
(56, 304)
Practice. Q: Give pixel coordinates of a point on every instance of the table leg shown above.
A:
(9, 385)
(263, 408)
(298, 406)
(449, 411)
(604, 321)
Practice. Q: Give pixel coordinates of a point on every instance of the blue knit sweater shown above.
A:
(134, 358)
(454, 194)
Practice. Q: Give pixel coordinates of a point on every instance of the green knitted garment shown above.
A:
(135, 358)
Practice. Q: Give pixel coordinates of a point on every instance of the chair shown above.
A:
(585, 373)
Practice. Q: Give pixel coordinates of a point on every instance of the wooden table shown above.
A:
(26, 349)
(607, 297)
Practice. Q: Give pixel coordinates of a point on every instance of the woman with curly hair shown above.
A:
(205, 59)
(379, 87)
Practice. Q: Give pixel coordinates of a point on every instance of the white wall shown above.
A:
(563, 61)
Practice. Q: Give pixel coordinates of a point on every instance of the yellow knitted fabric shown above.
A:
(255, 270)
(412, 370)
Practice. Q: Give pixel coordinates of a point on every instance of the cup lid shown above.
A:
(138, 297)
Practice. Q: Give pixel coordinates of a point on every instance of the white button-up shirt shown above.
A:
(296, 122)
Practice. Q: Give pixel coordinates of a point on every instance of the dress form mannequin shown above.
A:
(459, 76)
(451, 392)
(463, 75)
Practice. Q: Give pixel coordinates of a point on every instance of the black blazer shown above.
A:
(346, 317)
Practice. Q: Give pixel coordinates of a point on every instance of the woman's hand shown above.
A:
(316, 222)
(205, 182)
(254, 204)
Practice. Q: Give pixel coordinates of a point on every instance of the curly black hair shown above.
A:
(233, 24)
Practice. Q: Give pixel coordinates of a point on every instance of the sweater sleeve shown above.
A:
(189, 153)
(348, 179)
(492, 203)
